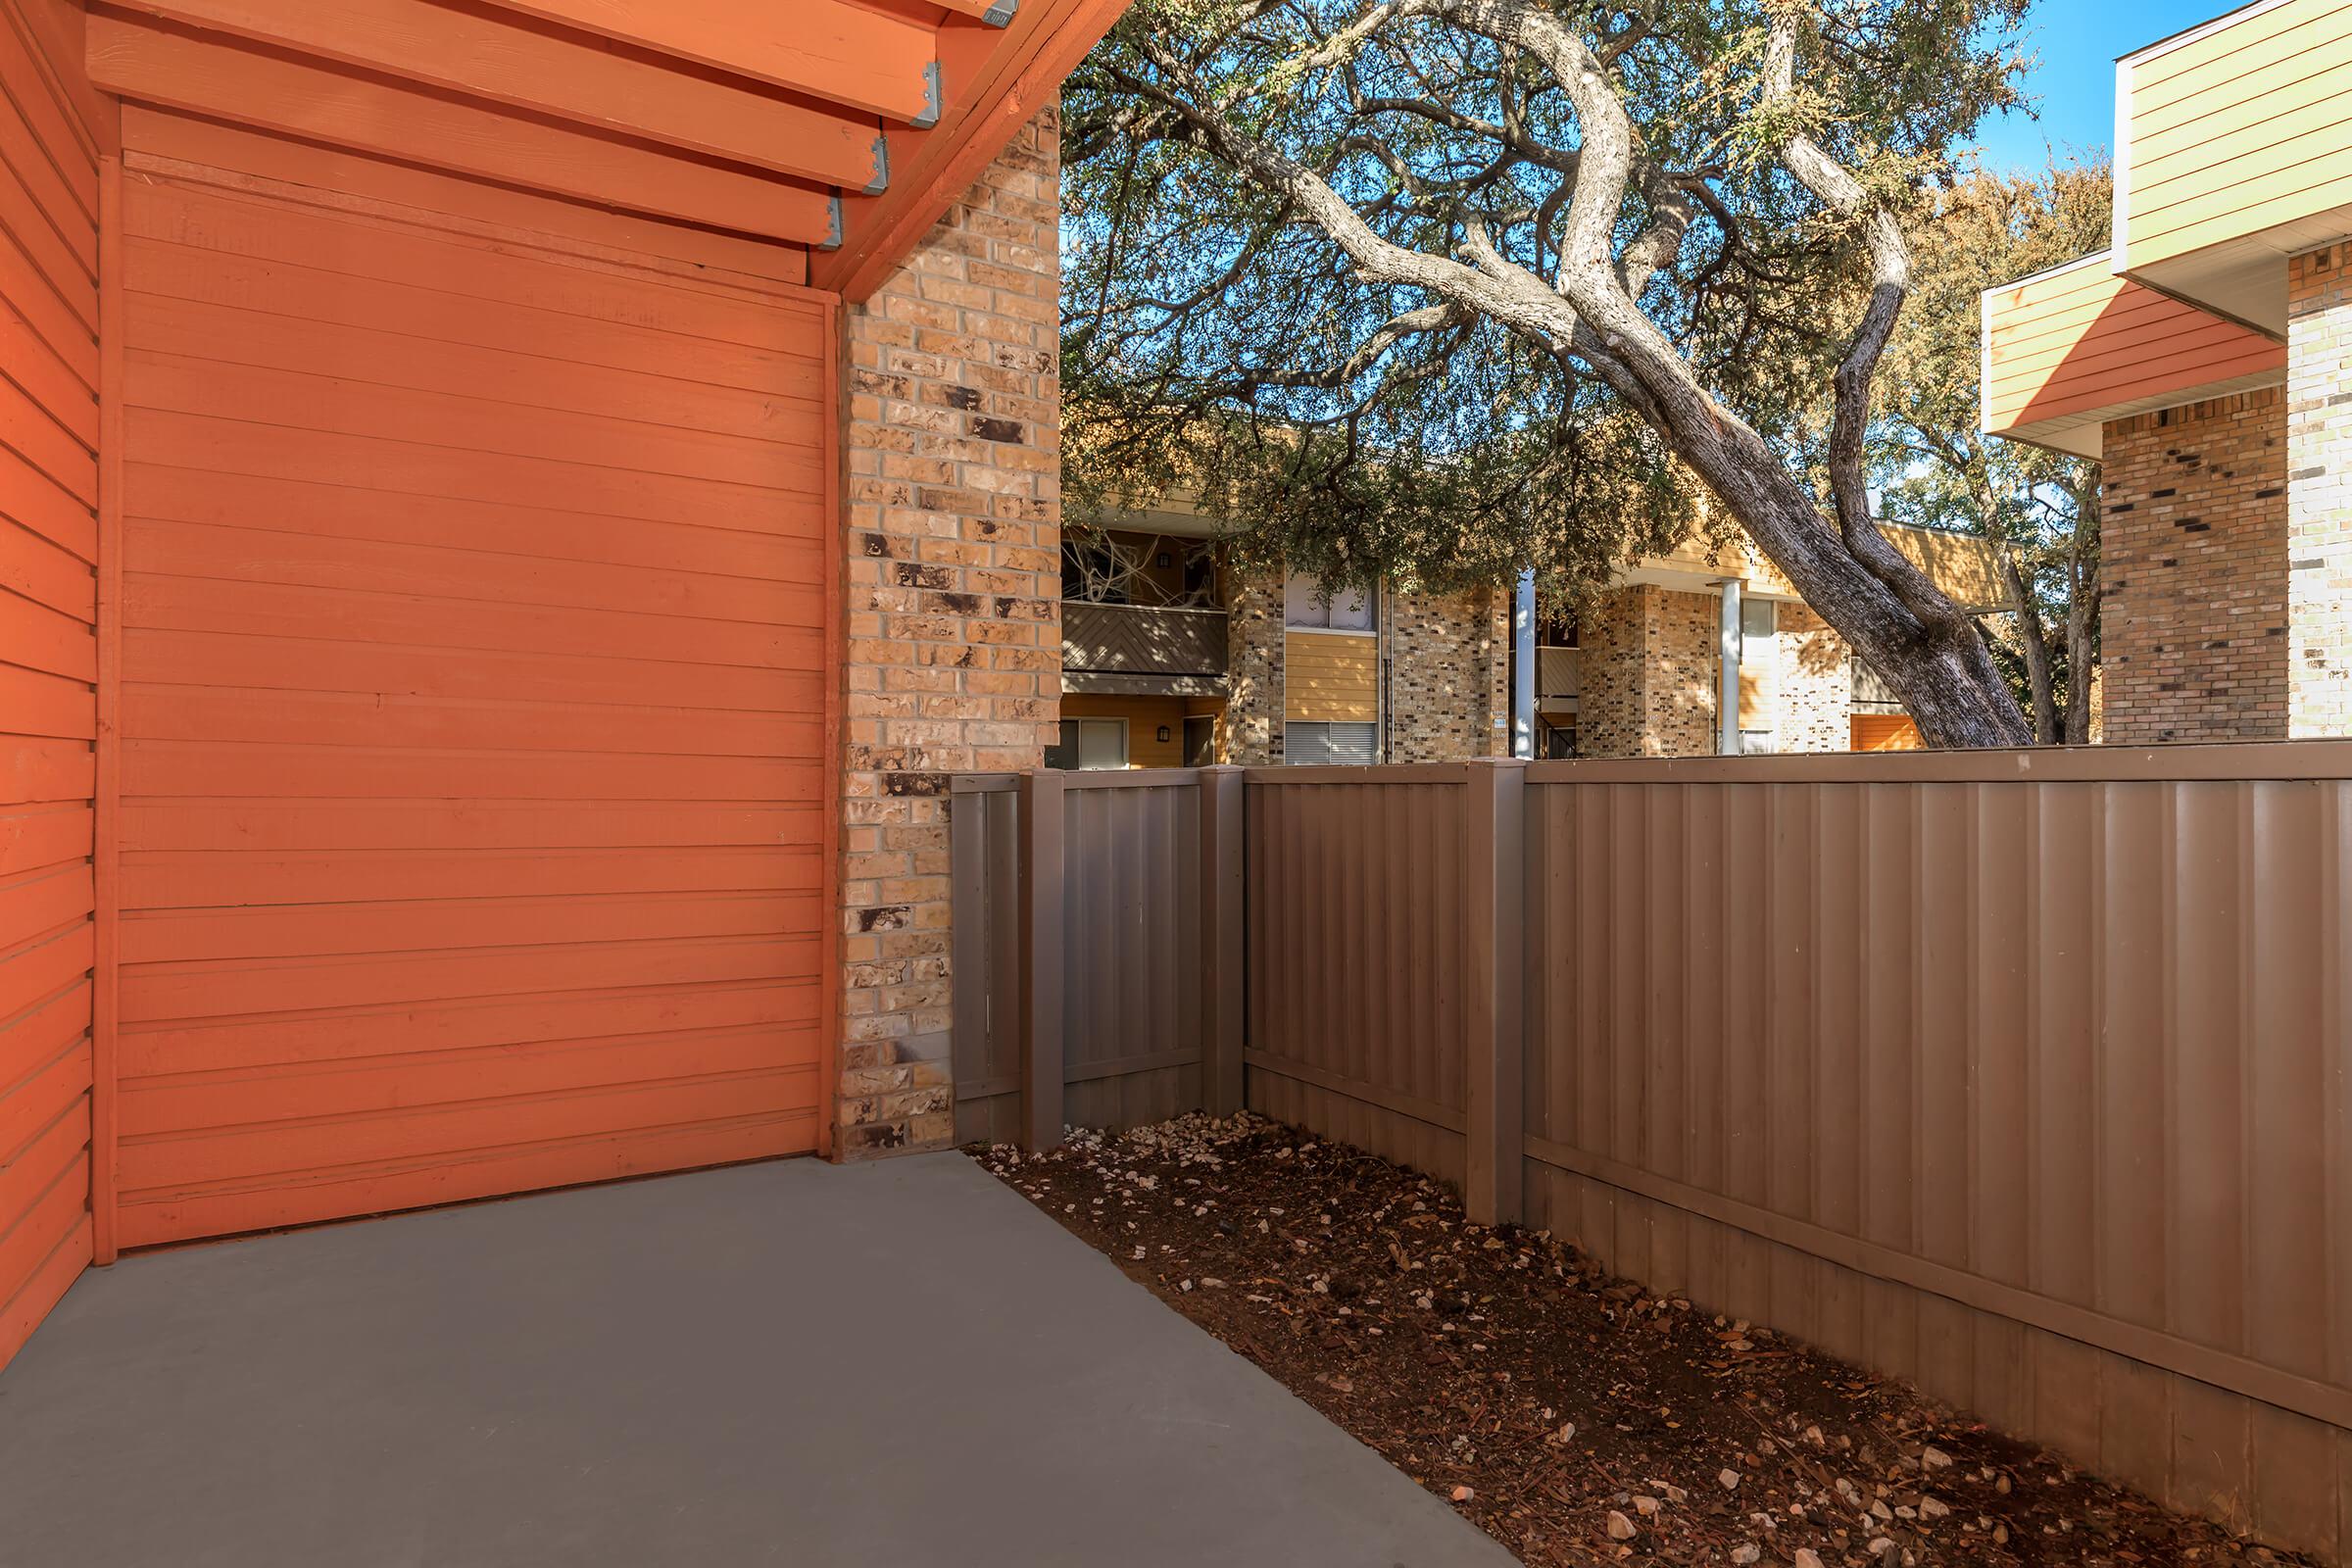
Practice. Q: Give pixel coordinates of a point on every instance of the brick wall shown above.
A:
(1648, 668)
(954, 607)
(1816, 686)
(2193, 563)
(1449, 676)
(2319, 472)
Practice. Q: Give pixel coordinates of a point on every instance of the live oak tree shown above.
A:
(1938, 469)
(1449, 286)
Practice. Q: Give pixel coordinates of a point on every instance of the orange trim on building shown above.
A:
(2069, 348)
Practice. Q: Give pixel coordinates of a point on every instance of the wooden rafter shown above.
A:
(994, 81)
(518, 60)
(825, 125)
(162, 62)
(830, 49)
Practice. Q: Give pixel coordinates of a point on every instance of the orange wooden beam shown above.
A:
(829, 49)
(241, 158)
(515, 61)
(994, 82)
(162, 62)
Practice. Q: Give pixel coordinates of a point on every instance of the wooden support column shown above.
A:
(1494, 853)
(1221, 951)
(1041, 797)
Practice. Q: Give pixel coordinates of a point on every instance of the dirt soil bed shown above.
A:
(1572, 1416)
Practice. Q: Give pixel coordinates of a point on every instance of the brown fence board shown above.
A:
(1355, 914)
(1128, 965)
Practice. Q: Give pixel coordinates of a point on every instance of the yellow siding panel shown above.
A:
(1331, 677)
(2242, 130)
(1737, 559)
(1966, 567)
(2072, 343)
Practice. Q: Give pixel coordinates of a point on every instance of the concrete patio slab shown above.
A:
(898, 1363)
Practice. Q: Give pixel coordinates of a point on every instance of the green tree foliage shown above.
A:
(1439, 289)
(1939, 470)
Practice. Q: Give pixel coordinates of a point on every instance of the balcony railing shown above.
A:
(1142, 640)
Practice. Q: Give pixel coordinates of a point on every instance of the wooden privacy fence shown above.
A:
(2024, 1075)
(1097, 950)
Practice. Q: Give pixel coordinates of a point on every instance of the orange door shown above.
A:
(474, 709)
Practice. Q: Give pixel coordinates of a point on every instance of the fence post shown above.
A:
(1221, 951)
(1495, 830)
(1041, 797)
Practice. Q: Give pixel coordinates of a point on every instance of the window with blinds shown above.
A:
(1326, 744)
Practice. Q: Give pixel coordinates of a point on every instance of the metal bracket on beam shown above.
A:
(1000, 14)
(881, 180)
(832, 239)
(934, 98)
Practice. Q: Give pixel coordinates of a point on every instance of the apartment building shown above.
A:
(1170, 657)
(2206, 359)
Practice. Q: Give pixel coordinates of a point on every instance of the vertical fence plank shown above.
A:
(1223, 994)
(1494, 864)
(1040, 958)
(967, 960)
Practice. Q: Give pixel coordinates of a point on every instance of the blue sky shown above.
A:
(2074, 84)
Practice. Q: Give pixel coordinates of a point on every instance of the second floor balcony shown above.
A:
(1167, 650)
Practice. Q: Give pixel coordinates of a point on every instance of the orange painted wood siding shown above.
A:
(2077, 341)
(475, 712)
(1886, 733)
(49, 202)
(2238, 130)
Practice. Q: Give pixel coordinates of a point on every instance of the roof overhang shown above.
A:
(837, 130)
(2233, 152)
(2071, 348)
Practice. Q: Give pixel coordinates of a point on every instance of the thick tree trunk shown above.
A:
(2033, 639)
(1943, 672)
(2080, 664)
(1882, 606)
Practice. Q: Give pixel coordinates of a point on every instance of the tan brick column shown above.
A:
(1253, 662)
(1448, 660)
(2319, 493)
(1648, 673)
(954, 563)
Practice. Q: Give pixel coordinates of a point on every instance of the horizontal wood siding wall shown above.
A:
(1355, 898)
(49, 417)
(2083, 340)
(1332, 676)
(2238, 131)
(475, 680)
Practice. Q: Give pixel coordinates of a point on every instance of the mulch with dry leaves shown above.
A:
(1575, 1417)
